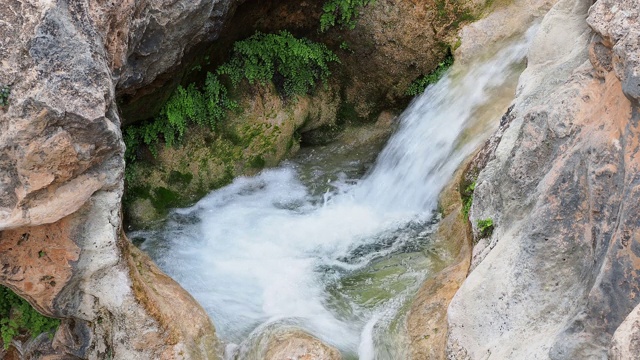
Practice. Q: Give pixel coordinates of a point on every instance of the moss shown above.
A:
(178, 178)
(226, 179)
(164, 199)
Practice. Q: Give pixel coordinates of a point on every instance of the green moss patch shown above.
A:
(17, 317)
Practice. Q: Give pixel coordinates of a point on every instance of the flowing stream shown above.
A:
(315, 245)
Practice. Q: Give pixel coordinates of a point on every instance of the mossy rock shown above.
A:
(264, 133)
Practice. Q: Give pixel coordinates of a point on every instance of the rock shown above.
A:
(560, 275)
(504, 22)
(283, 342)
(61, 155)
(616, 23)
(393, 44)
(625, 343)
(427, 317)
(300, 346)
(147, 40)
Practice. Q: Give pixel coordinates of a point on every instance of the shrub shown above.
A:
(299, 63)
(17, 316)
(341, 12)
(485, 227)
(421, 83)
(206, 107)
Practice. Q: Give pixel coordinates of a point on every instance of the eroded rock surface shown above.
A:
(61, 170)
(284, 342)
(558, 276)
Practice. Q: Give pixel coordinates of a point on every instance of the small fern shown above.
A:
(300, 63)
(5, 92)
(420, 84)
(485, 227)
(467, 199)
(18, 317)
(206, 107)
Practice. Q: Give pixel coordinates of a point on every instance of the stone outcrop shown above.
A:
(396, 42)
(146, 42)
(558, 277)
(61, 171)
(283, 342)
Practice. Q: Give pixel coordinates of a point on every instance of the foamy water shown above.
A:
(267, 250)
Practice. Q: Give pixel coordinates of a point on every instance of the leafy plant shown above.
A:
(295, 64)
(341, 12)
(5, 91)
(18, 317)
(298, 64)
(420, 84)
(467, 199)
(206, 107)
(485, 227)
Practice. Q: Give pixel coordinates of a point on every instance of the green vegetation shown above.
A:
(294, 65)
(421, 83)
(467, 199)
(206, 107)
(341, 12)
(5, 91)
(18, 317)
(485, 227)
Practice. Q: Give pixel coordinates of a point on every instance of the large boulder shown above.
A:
(558, 276)
(61, 179)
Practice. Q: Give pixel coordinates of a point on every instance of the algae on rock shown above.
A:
(263, 133)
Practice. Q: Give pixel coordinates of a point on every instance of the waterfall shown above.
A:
(266, 250)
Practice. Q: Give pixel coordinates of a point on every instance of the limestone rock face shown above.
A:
(61, 170)
(558, 277)
(626, 340)
(145, 39)
(616, 23)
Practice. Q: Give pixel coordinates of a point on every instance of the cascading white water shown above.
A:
(266, 249)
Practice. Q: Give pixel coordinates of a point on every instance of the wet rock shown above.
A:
(427, 319)
(283, 342)
(558, 277)
(301, 346)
